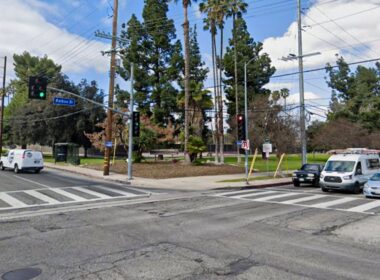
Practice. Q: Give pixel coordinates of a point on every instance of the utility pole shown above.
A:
(301, 87)
(2, 106)
(130, 140)
(107, 152)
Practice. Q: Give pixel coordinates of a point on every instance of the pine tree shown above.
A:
(259, 70)
(163, 59)
(200, 98)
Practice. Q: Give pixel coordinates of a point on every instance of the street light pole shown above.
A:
(246, 117)
(2, 106)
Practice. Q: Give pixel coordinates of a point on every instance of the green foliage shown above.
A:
(355, 95)
(158, 61)
(196, 145)
(259, 70)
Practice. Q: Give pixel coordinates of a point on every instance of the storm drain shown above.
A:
(22, 274)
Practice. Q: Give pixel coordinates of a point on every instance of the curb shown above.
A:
(262, 186)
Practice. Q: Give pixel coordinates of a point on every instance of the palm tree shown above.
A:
(236, 8)
(284, 94)
(186, 37)
(208, 8)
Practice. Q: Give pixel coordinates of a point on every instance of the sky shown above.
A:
(64, 30)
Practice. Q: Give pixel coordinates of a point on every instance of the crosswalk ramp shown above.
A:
(56, 196)
(348, 203)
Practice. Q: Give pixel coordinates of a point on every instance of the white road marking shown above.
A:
(235, 192)
(96, 194)
(303, 199)
(13, 202)
(365, 207)
(253, 194)
(42, 196)
(275, 196)
(126, 194)
(332, 203)
(67, 194)
(31, 181)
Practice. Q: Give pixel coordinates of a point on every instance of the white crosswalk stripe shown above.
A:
(331, 202)
(57, 196)
(13, 202)
(42, 197)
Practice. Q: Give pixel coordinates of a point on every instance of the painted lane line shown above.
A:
(334, 202)
(303, 199)
(365, 207)
(253, 194)
(275, 196)
(96, 194)
(126, 194)
(68, 194)
(42, 196)
(31, 181)
(12, 201)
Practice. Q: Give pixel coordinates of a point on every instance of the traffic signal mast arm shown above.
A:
(91, 101)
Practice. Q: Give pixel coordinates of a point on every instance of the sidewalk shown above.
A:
(198, 183)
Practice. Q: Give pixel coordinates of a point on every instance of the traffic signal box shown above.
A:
(136, 124)
(37, 88)
(241, 127)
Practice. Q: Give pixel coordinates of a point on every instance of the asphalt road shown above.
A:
(275, 233)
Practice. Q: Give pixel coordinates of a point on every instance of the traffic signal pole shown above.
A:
(107, 151)
(2, 105)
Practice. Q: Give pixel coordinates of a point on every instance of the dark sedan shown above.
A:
(308, 174)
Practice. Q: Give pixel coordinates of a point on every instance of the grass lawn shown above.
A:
(290, 162)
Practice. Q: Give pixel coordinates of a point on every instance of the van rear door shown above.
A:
(32, 159)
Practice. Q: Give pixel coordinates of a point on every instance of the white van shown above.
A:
(22, 160)
(348, 172)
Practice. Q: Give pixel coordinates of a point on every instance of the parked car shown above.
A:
(20, 160)
(309, 174)
(348, 172)
(372, 187)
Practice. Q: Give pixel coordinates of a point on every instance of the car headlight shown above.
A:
(366, 186)
(348, 177)
(294, 174)
(311, 175)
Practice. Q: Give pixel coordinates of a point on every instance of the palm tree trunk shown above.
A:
(213, 46)
(221, 135)
(187, 76)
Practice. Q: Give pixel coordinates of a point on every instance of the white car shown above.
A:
(20, 160)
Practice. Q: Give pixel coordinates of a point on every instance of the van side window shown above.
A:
(359, 169)
(373, 163)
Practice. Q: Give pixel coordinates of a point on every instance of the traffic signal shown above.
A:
(37, 88)
(241, 127)
(136, 124)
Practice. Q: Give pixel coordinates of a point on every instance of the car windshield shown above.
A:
(375, 177)
(340, 166)
(310, 167)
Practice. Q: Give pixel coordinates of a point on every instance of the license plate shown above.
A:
(36, 161)
(302, 179)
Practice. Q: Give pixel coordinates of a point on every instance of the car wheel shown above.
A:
(16, 169)
(296, 184)
(356, 189)
(2, 166)
(316, 184)
(325, 189)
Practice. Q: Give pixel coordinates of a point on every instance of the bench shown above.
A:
(161, 152)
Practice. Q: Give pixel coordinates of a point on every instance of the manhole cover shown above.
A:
(22, 274)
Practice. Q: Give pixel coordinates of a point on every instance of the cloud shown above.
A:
(23, 28)
(348, 27)
(277, 86)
